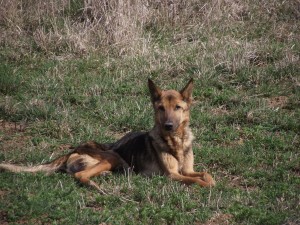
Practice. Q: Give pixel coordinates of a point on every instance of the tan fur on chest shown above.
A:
(173, 150)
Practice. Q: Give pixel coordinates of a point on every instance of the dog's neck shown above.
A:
(176, 141)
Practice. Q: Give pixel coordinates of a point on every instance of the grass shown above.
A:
(68, 75)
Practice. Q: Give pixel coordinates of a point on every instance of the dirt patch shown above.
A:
(65, 146)
(117, 135)
(11, 127)
(3, 193)
(12, 135)
(41, 220)
(238, 182)
(234, 143)
(277, 102)
(296, 222)
(94, 206)
(13, 142)
(219, 219)
(296, 171)
(3, 218)
(220, 111)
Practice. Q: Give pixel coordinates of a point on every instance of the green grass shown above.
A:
(245, 63)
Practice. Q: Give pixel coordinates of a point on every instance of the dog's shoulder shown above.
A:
(129, 140)
(132, 146)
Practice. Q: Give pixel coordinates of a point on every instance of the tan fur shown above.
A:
(178, 161)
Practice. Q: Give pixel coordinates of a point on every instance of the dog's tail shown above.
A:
(58, 164)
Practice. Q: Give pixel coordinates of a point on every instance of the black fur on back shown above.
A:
(136, 149)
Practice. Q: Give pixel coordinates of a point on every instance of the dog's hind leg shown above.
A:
(92, 171)
(107, 161)
(96, 170)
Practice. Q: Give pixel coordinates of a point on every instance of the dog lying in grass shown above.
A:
(164, 150)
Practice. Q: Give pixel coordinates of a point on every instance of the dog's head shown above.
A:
(171, 107)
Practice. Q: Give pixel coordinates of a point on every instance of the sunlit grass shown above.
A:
(64, 81)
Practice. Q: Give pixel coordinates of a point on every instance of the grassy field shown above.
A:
(72, 72)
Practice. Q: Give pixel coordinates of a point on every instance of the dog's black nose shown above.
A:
(168, 126)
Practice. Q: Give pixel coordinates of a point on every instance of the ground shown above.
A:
(72, 72)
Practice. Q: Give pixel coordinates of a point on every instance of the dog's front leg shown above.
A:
(202, 175)
(188, 169)
(188, 180)
(172, 170)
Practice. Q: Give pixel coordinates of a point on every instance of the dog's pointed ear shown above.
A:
(154, 91)
(186, 92)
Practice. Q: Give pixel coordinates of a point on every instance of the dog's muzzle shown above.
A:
(168, 126)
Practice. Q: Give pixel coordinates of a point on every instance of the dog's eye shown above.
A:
(177, 107)
(161, 108)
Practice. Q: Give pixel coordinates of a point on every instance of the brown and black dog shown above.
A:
(165, 150)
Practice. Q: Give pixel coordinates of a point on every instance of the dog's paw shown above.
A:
(209, 179)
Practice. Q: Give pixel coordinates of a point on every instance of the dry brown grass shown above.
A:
(80, 27)
(205, 29)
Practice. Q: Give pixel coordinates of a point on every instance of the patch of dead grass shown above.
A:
(12, 135)
(117, 134)
(11, 127)
(3, 193)
(237, 182)
(277, 102)
(3, 218)
(219, 111)
(233, 143)
(116, 24)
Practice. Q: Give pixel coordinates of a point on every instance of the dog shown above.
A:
(164, 150)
